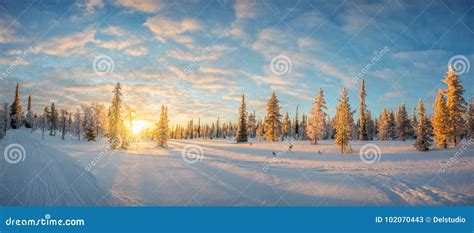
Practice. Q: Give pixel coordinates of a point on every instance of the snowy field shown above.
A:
(55, 172)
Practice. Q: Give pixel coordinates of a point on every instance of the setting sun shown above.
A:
(138, 126)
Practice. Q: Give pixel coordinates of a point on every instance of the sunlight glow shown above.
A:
(138, 126)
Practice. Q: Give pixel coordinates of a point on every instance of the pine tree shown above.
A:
(115, 119)
(63, 123)
(16, 112)
(296, 124)
(316, 123)
(273, 125)
(251, 125)
(363, 135)
(413, 123)
(423, 140)
(455, 104)
(344, 122)
(53, 120)
(440, 121)
(260, 131)
(402, 122)
(384, 125)
(29, 116)
(392, 127)
(304, 127)
(286, 126)
(162, 130)
(370, 125)
(470, 119)
(242, 122)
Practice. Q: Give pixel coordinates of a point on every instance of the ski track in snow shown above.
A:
(53, 173)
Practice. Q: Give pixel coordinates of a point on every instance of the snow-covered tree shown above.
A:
(78, 124)
(392, 125)
(63, 121)
(53, 120)
(316, 123)
(470, 119)
(304, 127)
(16, 112)
(296, 123)
(115, 119)
(252, 125)
(286, 126)
(242, 135)
(344, 123)
(162, 129)
(384, 125)
(402, 122)
(88, 123)
(440, 121)
(423, 140)
(455, 104)
(413, 123)
(260, 131)
(29, 116)
(273, 127)
(6, 118)
(370, 127)
(363, 135)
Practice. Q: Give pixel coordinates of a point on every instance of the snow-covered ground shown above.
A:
(70, 172)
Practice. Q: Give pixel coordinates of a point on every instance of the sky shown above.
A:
(199, 57)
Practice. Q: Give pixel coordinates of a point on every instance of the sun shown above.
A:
(138, 126)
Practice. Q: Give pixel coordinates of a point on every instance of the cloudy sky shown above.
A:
(198, 57)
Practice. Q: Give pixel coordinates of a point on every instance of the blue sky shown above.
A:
(198, 57)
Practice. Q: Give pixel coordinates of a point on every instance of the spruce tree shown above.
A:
(251, 125)
(273, 126)
(16, 111)
(242, 122)
(29, 116)
(455, 104)
(470, 119)
(286, 126)
(162, 130)
(115, 119)
(316, 124)
(440, 121)
(363, 135)
(53, 120)
(296, 123)
(413, 123)
(423, 140)
(344, 122)
(370, 125)
(303, 127)
(384, 125)
(402, 122)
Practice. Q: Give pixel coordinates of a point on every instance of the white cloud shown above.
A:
(72, 44)
(166, 28)
(91, 4)
(148, 6)
(245, 9)
(8, 30)
(140, 51)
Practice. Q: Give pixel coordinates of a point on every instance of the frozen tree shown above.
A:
(53, 120)
(63, 120)
(455, 104)
(470, 119)
(413, 123)
(316, 123)
(440, 121)
(286, 126)
(273, 127)
(402, 122)
(88, 123)
(100, 119)
(29, 116)
(242, 135)
(296, 123)
(392, 126)
(252, 125)
(363, 135)
(78, 124)
(370, 127)
(162, 129)
(303, 127)
(344, 122)
(115, 119)
(383, 125)
(16, 112)
(423, 141)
